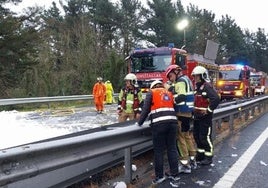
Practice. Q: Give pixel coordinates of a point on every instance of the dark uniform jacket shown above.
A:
(205, 97)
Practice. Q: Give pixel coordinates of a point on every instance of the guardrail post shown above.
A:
(128, 165)
(220, 123)
(231, 123)
(253, 110)
(259, 108)
(246, 114)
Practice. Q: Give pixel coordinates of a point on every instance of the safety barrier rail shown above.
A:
(63, 161)
(4, 102)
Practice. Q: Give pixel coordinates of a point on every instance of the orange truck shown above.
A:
(258, 82)
(234, 81)
(150, 64)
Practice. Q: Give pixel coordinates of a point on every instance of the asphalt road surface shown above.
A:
(240, 161)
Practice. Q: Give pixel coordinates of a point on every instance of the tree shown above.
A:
(79, 46)
(233, 48)
(160, 22)
(129, 24)
(202, 27)
(70, 65)
(102, 14)
(261, 50)
(18, 47)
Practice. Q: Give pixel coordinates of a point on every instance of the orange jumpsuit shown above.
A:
(99, 92)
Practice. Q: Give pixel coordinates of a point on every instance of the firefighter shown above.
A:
(163, 121)
(129, 100)
(99, 92)
(206, 100)
(109, 92)
(182, 89)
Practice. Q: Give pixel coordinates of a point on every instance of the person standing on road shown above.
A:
(183, 92)
(163, 121)
(109, 92)
(129, 100)
(206, 100)
(99, 92)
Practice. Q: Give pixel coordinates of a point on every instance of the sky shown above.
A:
(247, 14)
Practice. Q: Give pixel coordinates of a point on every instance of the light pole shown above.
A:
(182, 26)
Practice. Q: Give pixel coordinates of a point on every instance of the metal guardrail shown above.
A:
(4, 102)
(52, 162)
(64, 161)
(245, 109)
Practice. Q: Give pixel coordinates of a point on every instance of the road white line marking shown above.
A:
(235, 171)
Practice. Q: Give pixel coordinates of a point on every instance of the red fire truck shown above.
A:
(234, 81)
(150, 64)
(258, 81)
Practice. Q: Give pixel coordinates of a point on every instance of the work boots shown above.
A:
(186, 169)
(193, 164)
(199, 157)
(206, 161)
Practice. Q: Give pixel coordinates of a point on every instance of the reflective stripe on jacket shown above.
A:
(188, 104)
(162, 107)
(206, 98)
(130, 100)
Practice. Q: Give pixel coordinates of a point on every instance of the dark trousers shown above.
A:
(164, 137)
(202, 134)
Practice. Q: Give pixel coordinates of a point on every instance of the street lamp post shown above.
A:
(182, 26)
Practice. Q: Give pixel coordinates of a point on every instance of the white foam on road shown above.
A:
(19, 128)
(236, 170)
(16, 129)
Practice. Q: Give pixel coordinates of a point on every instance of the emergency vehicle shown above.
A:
(150, 64)
(234, 81)
(258, 81)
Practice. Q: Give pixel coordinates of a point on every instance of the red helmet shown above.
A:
(172, 68)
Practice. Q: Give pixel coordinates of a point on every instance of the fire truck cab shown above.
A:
(234, 81)
(258, 81)
(150, 64)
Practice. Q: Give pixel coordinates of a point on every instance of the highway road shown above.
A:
(240, 162)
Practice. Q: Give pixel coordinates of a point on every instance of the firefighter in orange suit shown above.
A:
(206, 100)
(130, 99)
(99, 92)
(158, 105)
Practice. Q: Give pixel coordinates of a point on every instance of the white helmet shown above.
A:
(202, 71)
(132, 77)
(154, 83)
(99, 78)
